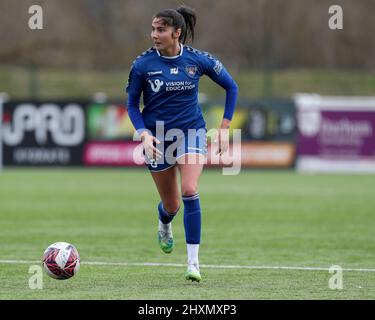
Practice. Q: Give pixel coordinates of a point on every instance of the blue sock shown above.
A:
(164, 216)
(192, 219)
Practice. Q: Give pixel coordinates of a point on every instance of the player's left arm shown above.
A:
(218, 73)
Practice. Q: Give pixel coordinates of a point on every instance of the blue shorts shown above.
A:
(192, 142)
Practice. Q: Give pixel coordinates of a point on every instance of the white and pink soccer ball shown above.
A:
(61, 260)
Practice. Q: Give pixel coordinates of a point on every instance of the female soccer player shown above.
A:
(168, 75)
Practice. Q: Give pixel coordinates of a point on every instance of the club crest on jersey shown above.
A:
(156, 84)
(191, 70)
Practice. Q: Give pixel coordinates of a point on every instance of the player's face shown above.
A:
(163, 36)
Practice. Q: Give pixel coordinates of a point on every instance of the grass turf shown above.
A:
(257, 218)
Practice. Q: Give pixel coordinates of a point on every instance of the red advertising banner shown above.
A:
(127, 153)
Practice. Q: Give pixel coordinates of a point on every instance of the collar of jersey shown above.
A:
(174, 57)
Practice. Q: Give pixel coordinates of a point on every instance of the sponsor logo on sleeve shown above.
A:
(218, 67)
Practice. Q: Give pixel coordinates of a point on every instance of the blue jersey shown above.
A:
(170, 88)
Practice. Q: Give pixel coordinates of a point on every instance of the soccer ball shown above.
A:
(61, 260)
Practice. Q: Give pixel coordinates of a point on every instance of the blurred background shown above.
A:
(273, 48)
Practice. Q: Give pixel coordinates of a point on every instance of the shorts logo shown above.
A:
(191, 70)
(153, 163)
(156, 85)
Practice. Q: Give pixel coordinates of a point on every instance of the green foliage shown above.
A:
(21, 83)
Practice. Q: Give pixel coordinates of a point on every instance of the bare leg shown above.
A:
(167, 185)
(190, 167)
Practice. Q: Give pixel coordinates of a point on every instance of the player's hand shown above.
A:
(222, 137)
(148, 144)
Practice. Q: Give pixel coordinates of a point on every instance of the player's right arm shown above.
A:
(213, 68)
(134, 90)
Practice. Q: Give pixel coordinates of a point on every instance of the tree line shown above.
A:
(242, 33)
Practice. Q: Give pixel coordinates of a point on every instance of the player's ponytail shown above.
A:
(183, 18)
(190, 20)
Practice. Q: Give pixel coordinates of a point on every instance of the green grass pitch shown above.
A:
(258, 219)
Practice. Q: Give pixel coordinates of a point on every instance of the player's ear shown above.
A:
(177, 33)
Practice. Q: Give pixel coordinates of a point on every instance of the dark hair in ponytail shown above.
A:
(183, 18)
(190, 20)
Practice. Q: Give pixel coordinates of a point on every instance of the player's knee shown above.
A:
(171, 206)
(189, 189)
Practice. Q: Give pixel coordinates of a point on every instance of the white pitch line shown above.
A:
(210, 266)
